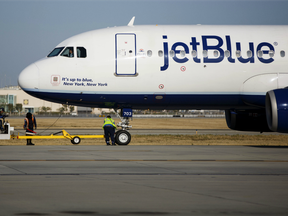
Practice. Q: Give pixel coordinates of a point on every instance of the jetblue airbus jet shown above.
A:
(242, 69)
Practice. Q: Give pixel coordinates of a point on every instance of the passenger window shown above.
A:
(68, 52)
(160, 53)
(194, 53)
(215, 53)
(249, 53)
(260, 53)
(81, 52)
(238, 53)
(149, 53)
(55, 52)
(282, 53)
(172, 53)
(182, 53)
(227, 53)
(271, 53)
(205, 53)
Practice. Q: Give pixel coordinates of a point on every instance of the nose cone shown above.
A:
(29, 78)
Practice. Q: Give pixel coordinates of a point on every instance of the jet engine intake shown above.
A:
(277, 110)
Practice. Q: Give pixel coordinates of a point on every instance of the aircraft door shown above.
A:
(125, 54)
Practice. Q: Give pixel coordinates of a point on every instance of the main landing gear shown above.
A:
(122, 136)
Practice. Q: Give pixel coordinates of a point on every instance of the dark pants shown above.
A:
(109, 132)
(29, 140)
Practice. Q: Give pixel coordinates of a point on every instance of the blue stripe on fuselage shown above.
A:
(154, 101)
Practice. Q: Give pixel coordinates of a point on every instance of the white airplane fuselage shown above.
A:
(164, 67)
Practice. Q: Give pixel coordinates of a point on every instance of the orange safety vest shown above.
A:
(27, 120)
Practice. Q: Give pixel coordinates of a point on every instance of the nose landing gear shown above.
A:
(122, 136)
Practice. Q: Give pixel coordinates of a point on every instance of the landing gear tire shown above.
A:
(122, 137)
(76, 140)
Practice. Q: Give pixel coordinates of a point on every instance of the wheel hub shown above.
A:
(123, 137)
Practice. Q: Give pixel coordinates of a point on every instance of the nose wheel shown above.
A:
(122, 137)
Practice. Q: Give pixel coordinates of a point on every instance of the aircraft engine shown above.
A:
(277, 110)
(247, 120)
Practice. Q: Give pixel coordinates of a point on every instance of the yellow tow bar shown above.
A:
(75, 139)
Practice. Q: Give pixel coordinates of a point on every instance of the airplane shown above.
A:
(240, 69)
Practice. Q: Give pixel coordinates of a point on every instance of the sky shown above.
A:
(30, 29)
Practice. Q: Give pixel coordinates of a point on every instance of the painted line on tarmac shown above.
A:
(144, 160)
(146, 174)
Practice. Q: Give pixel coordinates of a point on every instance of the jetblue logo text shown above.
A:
(177, 47)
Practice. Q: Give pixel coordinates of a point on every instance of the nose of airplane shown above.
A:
(29, 78)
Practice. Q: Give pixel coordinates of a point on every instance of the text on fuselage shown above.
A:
(264, 48)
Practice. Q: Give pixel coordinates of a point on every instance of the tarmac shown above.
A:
(154, 132)
(143, 180)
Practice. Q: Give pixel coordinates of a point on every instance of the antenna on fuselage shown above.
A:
(131, 23)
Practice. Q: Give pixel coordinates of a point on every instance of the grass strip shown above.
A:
(239, 140)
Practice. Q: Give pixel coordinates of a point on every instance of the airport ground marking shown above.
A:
(136, 160)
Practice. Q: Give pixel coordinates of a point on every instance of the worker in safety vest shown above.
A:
(109, 130)
(29, 123)
(2, 116)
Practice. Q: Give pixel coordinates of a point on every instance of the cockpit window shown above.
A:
(55, 52)
(68, 52)
(81, 52)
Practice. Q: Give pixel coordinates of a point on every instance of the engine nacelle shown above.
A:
(247, 120)
(277, 110)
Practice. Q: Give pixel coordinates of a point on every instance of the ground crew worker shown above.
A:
(109, 130)
(2, 116)
(29, 123)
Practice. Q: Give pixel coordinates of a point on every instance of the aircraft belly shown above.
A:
(147, 101)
